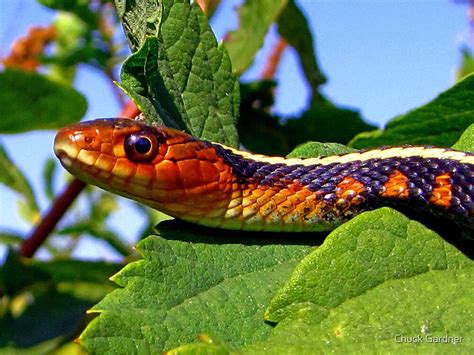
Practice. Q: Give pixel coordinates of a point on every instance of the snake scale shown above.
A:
(217, 186)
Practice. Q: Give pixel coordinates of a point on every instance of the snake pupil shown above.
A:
(142, 145)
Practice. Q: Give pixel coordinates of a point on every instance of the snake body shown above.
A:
(214, 185)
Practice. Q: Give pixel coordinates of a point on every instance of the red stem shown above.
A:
(62, 203)
(274, 59)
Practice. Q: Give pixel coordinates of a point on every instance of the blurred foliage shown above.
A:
(43, 304)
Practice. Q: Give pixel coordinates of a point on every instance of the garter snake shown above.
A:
(214, 185)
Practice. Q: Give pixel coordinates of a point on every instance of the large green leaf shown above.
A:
(379, 276)
(255, 20)
(361, 255)
(439, 122)
(192, 281)
(33, 101)
(466, 141)
(180, 76)
(377, 281)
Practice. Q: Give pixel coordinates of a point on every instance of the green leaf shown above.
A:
(71, 31)
(140, 19)
(18, 273)
(48, 316)
(33, 101)
(255, 20)
(181, 77)
(206, 345)
(10, 238)
(48, 177)
(439, 122)
(466, 141)
(13, 178)
(77, 7)
(294, 28)
(99, 231)
(264, 133)
(360, 255)
(325, 123)
(259, 131)
(317, 149)
(376, 276)
(190, 281)
(45, 302)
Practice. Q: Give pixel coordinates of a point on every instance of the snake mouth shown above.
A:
(65, 149)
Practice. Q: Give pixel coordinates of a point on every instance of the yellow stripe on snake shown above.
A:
(213, 185)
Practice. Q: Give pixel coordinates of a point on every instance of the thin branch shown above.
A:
(62, 203)
(274, 59)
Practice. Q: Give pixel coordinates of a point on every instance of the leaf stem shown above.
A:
(62, 203)
(273, 59)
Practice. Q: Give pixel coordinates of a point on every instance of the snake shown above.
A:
(217, 186)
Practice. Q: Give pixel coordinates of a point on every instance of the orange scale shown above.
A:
(107, 148)
(267, 208)
(269, 192)
(209, 171)
(257, 193)
(279, 197)
(124, 169)
(396, 186)
(144, 175)
(106, 135)
(88, 157)
(262, 199)
(208, 154)
(296, 198)
(285, 207)
(105, 162)
(190, 172)
(167, 176)
(349, 187)
(180, 152)
(119, 150)
(442, 193)
(224, 176)
(222, 167)
(236, 194)
(249, 211)
(196, 191)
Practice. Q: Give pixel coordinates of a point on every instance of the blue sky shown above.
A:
(381, 57)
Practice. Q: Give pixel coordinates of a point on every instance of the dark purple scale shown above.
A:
(373, 173)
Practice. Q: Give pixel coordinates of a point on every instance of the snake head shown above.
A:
(162, 167)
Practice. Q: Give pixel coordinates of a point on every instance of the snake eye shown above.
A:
(141, 147)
